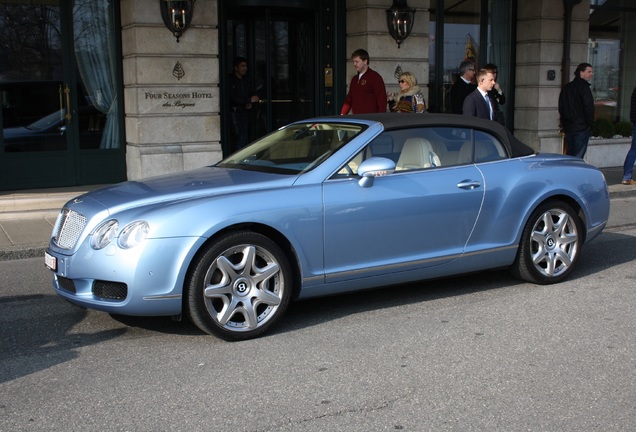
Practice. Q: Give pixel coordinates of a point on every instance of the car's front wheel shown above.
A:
(239, 286)
(550, 244)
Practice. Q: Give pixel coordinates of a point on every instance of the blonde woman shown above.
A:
(409, 98)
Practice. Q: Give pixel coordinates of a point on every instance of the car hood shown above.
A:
(200, 183)
(15, 132)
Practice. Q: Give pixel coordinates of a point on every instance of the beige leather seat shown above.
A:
(484, 151)
(465, 153)
(417, 153)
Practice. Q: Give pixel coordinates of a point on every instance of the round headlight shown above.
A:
(133, 234)
(103, 234)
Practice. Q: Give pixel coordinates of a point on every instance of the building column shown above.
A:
(171, 90)
(538, 71)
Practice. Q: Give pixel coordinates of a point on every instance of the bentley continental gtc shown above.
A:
(326, 206)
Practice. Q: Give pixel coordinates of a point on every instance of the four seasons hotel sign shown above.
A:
(177, 99)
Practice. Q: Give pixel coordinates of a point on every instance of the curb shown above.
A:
(623, 193)
(23, 252)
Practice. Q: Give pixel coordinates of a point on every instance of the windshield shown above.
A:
(293, 149)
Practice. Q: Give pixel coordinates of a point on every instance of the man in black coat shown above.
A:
(242, 96)
(463, 86)
(478, 103)
(576, 108)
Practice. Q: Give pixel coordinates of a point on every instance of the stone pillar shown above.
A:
(367, 29)
(171, 90)
(540, 51)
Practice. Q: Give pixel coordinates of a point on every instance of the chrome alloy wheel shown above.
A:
(238, 286)
(554, 242)
(243, 287)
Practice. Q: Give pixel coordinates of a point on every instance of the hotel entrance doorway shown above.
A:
(279, 45)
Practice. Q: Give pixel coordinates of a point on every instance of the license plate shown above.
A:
(50, 261)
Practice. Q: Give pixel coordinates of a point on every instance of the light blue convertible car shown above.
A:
(326, 206)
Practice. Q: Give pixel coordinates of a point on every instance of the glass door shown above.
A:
(279, 46)
(456, 26)
(59, 107)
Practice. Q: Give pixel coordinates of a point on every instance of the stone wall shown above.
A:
(606, 153)
(171, 90)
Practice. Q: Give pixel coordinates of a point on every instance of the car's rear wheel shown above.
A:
(550, 244)
(239, 286)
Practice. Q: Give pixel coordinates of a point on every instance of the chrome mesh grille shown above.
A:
(68, 228)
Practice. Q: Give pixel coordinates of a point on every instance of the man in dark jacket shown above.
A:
(478, 103)
(497, 98)
(463, 86)
(576, 108)
(242, 96)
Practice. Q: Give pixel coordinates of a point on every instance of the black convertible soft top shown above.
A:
(393, 121)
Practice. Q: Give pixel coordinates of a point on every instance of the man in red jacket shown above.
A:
(367, 93)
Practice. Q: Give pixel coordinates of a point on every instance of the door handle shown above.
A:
(67, 92)
(468, 184)
(61, 92)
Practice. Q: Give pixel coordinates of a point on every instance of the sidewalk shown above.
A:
(27, 217)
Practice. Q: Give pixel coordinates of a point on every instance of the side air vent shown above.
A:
(66, 284)
(110, 290)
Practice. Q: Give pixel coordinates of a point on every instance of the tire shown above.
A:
(239, 286)
(550, 244)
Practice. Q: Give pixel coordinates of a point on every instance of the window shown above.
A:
(479, 30)
(293, 149)
(612, 84)
(487, 148)
(455, 33)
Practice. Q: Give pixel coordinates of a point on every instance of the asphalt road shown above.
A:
(483, 352)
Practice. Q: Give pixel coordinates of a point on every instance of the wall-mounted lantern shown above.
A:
(399, 20)
(177, 15)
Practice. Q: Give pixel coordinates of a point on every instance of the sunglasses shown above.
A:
(401, 81)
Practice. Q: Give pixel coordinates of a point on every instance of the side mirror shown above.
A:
(372, 168)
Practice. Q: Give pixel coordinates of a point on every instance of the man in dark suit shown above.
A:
(478, 104)
(463, 86)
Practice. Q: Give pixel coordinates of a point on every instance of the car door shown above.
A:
(407, 220)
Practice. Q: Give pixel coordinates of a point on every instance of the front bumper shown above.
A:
(143, 281)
